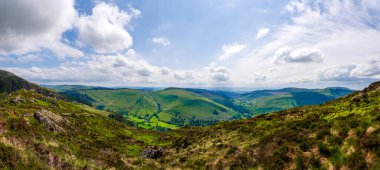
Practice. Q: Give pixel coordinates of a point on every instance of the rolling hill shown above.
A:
(44, 132)
(176, 107)
(163, 109)
(266, 101)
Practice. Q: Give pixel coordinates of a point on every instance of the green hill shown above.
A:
(266, 101)
(44, 132)
(164, 109)
(176, 107)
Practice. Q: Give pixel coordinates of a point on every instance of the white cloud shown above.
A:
(104, 30)
(346, 32)
(370, 69)
(288, 55)
(161, 40)
(231, 49)
(219, 73)
(366, 72)
(262, 33)
(337, 73)
(29, 25)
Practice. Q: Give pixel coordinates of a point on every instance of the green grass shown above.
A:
(343, 134)
(90, 139)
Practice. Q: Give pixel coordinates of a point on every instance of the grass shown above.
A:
(343, 133)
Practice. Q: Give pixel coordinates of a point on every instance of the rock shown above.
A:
(17, 100)
(51, 120)
(152, 152)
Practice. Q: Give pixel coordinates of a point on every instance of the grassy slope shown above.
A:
(90, 139)
(343, 133)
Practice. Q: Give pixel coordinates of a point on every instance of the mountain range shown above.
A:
(172, 108)
(41, 129)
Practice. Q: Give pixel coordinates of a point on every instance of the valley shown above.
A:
(172, 108)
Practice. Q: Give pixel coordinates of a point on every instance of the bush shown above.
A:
(323, 149)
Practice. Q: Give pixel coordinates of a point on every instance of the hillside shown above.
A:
(266, 101)
(164, 109)
(172, 108)
(42, 132)
(341, 134)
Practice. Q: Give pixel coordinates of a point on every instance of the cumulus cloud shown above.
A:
(352, 72)
(370, 69)
(262, 33)
(337, 73)
(219, 74)
(99, 69)
(104, 30)
(29, 25)
(231, 49)
(165, 71)
(161, 40)
(288, 55)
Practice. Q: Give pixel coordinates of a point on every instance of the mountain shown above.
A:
(42, 132)
(171, 108)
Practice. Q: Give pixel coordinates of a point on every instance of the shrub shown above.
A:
(323, 149)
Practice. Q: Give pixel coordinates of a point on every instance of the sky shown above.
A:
(192, 43)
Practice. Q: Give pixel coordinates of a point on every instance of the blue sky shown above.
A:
(198, 43)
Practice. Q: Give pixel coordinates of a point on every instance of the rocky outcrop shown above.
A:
(51, 120)
(152, 152)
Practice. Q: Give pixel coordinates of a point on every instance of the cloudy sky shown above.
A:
(197, 43)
